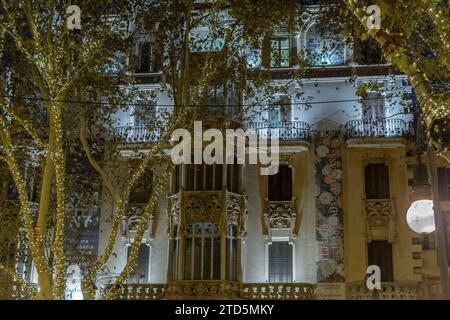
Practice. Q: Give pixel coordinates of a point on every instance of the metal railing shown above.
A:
(284, 130)
(136, 134)
(378, 128)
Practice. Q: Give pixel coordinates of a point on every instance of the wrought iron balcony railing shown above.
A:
(284, 130)
(378, 128)
(136, 134)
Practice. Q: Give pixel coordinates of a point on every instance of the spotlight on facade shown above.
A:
(420, 216)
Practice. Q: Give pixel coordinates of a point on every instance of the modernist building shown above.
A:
(348, 171)
(337, 205)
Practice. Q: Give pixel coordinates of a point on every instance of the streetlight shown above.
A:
(420, 216)
(425, 216)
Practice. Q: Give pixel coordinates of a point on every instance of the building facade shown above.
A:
(336, 206)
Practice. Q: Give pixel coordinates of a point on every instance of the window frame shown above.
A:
(279, 60)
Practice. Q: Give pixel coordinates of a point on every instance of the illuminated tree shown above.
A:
(79, 78)
(415, 37)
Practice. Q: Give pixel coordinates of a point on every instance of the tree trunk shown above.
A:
(45, 286)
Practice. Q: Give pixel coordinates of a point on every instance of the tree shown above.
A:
(415, 37)
(196, 63)
(79, 78)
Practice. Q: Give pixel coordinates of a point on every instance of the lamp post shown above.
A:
(425, 216)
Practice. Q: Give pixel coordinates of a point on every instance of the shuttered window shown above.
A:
(377, 181)
(380, 254)
(280, 262)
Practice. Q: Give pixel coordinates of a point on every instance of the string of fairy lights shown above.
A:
(151, 104)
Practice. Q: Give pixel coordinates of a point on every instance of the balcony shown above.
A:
(135, 134)
(131, 221)
(284, 130)
(281, 215)
(208, 206)
(395, 128)
(216, 290)
(400, 290)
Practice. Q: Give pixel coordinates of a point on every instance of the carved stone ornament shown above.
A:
(380, 218)
(220, 207)
(279, 215)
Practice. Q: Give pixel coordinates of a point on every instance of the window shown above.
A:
(323, 47)
(176, 179)
(373, 108)
(202, 252)
(231, 254)
(12, 193)
(428, 241)
(147, 61)
(280, 184)
(233, 178)
(367, 52)
(143, 189)
(203, 177)
(174, 256)
(280, 262)
(280, 52)
(377, 181)
(280, 110)
(380, 254)
(444, 183)
(140, 274)
(144, 113)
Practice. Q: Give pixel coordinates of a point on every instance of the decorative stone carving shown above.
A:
(401, 290)
(380, 218)
(280, 215)
(130, 223)
(216, 289)
(221, 207)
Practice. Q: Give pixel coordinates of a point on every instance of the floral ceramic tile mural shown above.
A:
(329, 219)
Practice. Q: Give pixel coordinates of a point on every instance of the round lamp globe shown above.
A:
(420, 216)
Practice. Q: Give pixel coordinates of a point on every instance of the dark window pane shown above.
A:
(143, 189)
(280, 185)
(197, 259)
(207, 259)
(216, 265)
(377, 181)
(380, 254)
(209, 177)
(187, 259)
(199, 177)
(444, 183)
(140, 274)
(190, 177)
(218, 180)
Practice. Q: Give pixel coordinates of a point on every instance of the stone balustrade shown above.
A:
(400, 290)
(216, 289)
